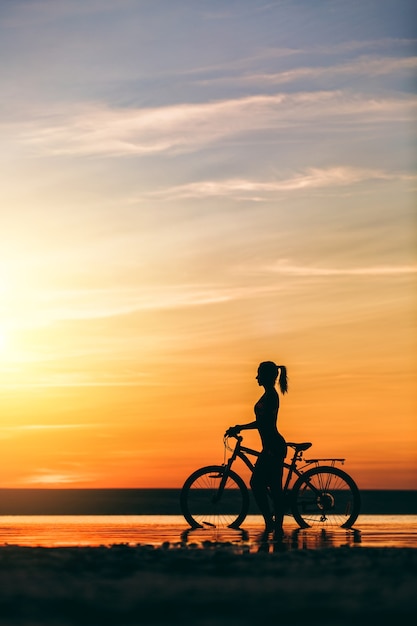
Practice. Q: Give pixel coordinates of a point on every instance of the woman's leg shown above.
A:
(259, 485)
(276, 470)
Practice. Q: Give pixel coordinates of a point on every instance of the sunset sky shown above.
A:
(190, 187)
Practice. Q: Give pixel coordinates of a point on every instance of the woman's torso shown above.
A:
(266, 412)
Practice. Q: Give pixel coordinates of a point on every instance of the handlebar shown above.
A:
(227, 435)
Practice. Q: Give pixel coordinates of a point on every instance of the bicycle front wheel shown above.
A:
(325, 497)
(206, 503)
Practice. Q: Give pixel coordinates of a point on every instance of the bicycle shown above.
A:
(317, 495)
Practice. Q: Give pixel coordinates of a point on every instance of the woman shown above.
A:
(267, 475)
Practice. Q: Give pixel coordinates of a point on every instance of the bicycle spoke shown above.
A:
(325, 496)
(208, 503)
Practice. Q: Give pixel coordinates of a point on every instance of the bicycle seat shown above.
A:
(300, 447)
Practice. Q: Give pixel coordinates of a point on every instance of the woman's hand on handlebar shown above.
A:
(233, 431)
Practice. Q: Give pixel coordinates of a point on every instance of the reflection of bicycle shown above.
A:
(321, 495)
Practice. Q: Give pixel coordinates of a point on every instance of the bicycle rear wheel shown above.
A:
(202, 504)
(325, 497)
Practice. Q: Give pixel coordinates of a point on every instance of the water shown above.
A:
(92, 530)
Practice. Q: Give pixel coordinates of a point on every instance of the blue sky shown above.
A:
(189, 184)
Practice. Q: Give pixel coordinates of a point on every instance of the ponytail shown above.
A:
(270, 372)
(283, 380)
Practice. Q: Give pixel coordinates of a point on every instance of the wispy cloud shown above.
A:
(362, 66)
(257, 190)
(284, 268)
(369, 49)
(187, 127)
(22, 428)
(116, 303)
(17, 430)
(355, 45)
(51, 476)
(90, 304)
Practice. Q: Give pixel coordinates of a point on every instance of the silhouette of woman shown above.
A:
(267, 475)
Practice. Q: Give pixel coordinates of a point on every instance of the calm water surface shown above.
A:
(54, 531)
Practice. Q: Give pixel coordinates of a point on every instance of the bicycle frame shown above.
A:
(241, 452)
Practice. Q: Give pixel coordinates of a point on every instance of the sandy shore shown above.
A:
(210, 586)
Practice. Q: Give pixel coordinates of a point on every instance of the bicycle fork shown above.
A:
(224, 476)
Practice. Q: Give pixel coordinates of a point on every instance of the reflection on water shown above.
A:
(258, 541)
(311, 539)
(51, 531)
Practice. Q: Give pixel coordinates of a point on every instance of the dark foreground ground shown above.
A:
(216, 585)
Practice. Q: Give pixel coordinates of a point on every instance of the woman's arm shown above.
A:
(234, 430)
(246, 426)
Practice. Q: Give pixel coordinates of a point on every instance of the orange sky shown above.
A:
(175, 212)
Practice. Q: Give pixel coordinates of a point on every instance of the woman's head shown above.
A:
(268, 373)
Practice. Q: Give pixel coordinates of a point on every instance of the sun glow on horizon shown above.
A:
(168, 225)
